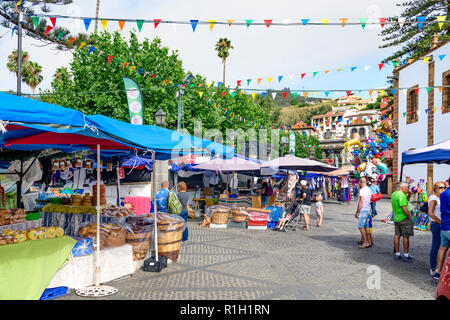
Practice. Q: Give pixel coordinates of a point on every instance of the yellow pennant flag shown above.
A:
(132, 68)
(269, 79)
(200, 94)
(253, 95)
(209, 84)
(441, 20)
(324, 21)
(259, 80)
(104, 22)
(230, 21)
(425, 60)
(315, 93)
(434, 110)
(390, 116)
(382, 92)
(339, 69)
(211, 24)
(82, 44)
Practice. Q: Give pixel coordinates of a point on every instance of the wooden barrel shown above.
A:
(169, 241)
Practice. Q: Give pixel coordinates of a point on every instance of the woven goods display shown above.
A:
(220, 217)
(239, 214)
(170, 231)
(139, 234)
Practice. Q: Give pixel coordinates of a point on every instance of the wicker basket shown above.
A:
(220, 217)
(239, 215)
(138, 236)
(170, 236)
(170, 250)
(116, 237)
(172, 224)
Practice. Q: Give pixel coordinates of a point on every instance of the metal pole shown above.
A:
(401, 173)
(97, 260)
(180, 97)
(19, 54)
(118, 183)
(155, 211)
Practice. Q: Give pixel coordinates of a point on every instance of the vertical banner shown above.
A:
(291, 142)
(135, 105)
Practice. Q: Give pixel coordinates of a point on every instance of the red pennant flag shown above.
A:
(47, 30)
(53, 20)
(284, 95)
(156, 22)
(110, 58)
(238, 83)
(268, 23)
(380, 65)
(416, 91)
(382, 21)
(303, 75)
(348, 93)
(223, 93)
(72, 40)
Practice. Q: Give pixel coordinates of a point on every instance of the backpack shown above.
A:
(269, 190)
(173, 203)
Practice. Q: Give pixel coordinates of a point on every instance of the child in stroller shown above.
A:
(292, 212)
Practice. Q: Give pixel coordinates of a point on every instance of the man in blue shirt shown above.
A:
(375, 189)
(161, 197)
(445, 230)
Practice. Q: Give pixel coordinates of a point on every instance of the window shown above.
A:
(412, 105)
(446, 91)
(362, 132)
(354, 130)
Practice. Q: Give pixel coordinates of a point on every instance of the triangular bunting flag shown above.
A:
(324, 21)
(230, 21)
(343, 21)
(82, 44)
(47, 30)
(253, 95)
(395, 63)
(279, 78)
(60, 34)
(87, 23)
(401, 21)
(104, 23)
(218, 84)
(416, 91)
(428, 90)
(441, 20)
(268, 23)
(303, 75)
(91, 49)
(200, 94)
(12, 31)
(327, 93)
(426, 59)
(420, 21)
(248, 82)
(263, 94)
(140, 23)
(211, 24)
(284, 95)
(194, 24)
(249, 22)
(125, 64)
(306, 95)
(440, 89)
(393, 91)
(348, 93)
(363, 22)
(274, 94)
(295, 95)
(223, 93)
(434, 110)
(380, 65)
(72, 40)
(340, 69)
(269, 79)
(315, 73)
(326, 71)
(353, 68)
(426, 111)
(238, 83)
(233, 94)
(442, 56)
(121, 24)
(259, 80)
(53, 20)
(381, 92)
(305, 21)
(370, 92)
(382, 21)
(35, 21)
(410, 61)
(110, 58)
(156, 22)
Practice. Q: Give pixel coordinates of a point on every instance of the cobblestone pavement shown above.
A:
(322, 263)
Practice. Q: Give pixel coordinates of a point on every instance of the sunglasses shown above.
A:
(441, 188)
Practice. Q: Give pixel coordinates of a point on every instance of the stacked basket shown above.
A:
(239, 215)
(220, 215)
(170, 231)
(102, 195)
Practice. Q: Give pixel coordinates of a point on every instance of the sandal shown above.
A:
(364, 247)
(360, 242)
(305, 228)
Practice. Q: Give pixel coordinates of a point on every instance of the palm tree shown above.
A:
(222, 47)
(33, 77)
(12, 62)
(62, 74)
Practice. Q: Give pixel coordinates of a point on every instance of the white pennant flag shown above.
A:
(274, 94)
(401, 21)
(228, 84)
(366, 68)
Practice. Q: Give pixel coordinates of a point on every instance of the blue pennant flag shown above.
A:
(263, 94)
(218, 85)
(279, 78)
(305, 21)
(194, 24)
(139, 71)
(91, 49)
(327, 93)
(87, 22)
(12, 32)
(420, 21)
(426, 110)
(353, 68)
(442, 56)
(393, 91)
(348, 121)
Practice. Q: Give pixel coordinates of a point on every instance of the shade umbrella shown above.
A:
(229, 165)
(344, 171)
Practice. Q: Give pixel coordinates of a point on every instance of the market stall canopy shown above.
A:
(294, 163)
(344, 171)
(229, 165)
(438, 153)
(21, 119)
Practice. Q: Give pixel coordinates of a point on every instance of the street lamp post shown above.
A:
(186, 81)
(160, 117)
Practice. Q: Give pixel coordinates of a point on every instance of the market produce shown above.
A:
(69, 209)
(14, 236)
(111, 235)
(12, 216)
(115, 211)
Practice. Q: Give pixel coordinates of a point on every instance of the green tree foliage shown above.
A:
(59, 36)
(33, 77)
(30, 71)
(414, 42)
(303, 145)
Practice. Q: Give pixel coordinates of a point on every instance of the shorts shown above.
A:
(319, 213)
(445, 238)
(363, 220)
(404, 228)
(305, 209)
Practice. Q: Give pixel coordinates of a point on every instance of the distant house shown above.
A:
(421, 112)
(346, 102)
(304, 128)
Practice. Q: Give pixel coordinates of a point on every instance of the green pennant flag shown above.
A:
(191, 86)
(117, 62)
(35, 21)
(233, 94)
(395, 63)
(428, 90)
(249, 22)
(60, 34)
(248, 81)
(363, 22)
(315, 73)
(404, 114)
(139, 24)
(295, 95)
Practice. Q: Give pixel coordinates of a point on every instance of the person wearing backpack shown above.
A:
(434, 211)
(161, 197)
(183, 198)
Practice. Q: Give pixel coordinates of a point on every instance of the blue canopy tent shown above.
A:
(438, 153)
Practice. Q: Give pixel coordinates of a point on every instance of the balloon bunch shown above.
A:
(368, 157)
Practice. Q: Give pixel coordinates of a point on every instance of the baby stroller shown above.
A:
(293, 216)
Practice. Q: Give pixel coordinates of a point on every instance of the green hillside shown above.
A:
(288, 116)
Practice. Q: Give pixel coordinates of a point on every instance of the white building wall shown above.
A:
(415, 135)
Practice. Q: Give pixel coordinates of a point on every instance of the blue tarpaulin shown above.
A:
(438, 153)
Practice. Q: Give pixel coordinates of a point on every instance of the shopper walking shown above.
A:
(445, 230)
(374, 188)
(184, 199)
(434, 211)
(404, 226)
(305, 197)
(363, 213)
(161, 197)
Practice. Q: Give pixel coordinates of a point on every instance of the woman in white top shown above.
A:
(434, 211)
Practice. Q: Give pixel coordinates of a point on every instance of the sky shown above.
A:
(259, 52)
